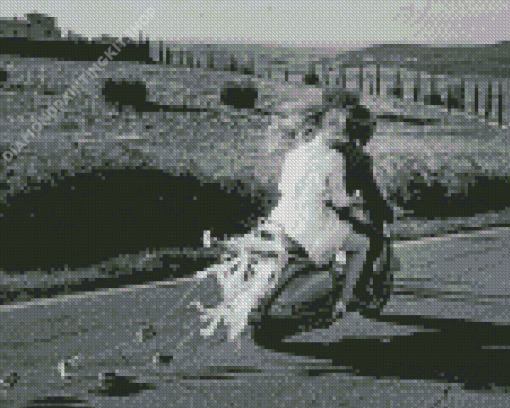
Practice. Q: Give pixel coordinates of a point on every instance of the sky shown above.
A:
(321, 23)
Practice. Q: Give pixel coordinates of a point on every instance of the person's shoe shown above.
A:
(339, 310)
(353, 306)
(368, 310)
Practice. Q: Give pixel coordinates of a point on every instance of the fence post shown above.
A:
(488, 106)
(504, 106)
(210, 60)
(436, 97)
(444, 88)
(476, 98)
(462, 95)
(399, 83)
(252, 65)
(233, 63)
(417, 87)
(383, 82)
(408, 84)
(500, 103)
(378, 79)
(361, 78)
(449, 97)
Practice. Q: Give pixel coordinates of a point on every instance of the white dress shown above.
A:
(313, 173)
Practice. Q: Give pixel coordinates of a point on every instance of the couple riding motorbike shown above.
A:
(322, 251)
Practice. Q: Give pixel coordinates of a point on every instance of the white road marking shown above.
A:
(469, 235)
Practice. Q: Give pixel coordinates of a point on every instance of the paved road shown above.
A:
(420, 353)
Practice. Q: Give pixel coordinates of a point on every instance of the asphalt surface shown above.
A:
(443, 340)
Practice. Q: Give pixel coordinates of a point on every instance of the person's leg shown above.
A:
(313, 294)
(347, 274)
(382, 280)
(311, 298)
(374, 285)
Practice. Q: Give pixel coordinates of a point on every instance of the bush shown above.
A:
(397, 92)
(311, 79)
(433, 100)
(455, 99)
(447, 186)
(238, 96)
(125, 93)
(433, 201)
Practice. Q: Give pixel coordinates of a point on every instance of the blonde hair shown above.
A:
(360, 123)
(312, 116)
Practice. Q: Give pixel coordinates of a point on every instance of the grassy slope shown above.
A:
(89, 137)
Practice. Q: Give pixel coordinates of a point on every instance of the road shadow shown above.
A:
(474, 354)
(57, 401)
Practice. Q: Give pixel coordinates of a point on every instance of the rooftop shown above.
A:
(12, 21)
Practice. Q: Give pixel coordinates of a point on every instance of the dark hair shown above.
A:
(360, 124)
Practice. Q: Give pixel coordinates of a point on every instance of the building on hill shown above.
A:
(13, 28)
(35, 27)
(42, 27)
(72, 36)
(107, 39)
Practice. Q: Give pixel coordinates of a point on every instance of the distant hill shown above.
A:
(457, 60)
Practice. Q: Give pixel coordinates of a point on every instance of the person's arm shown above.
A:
(344, 213)
(374, 202)
(375, 205)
